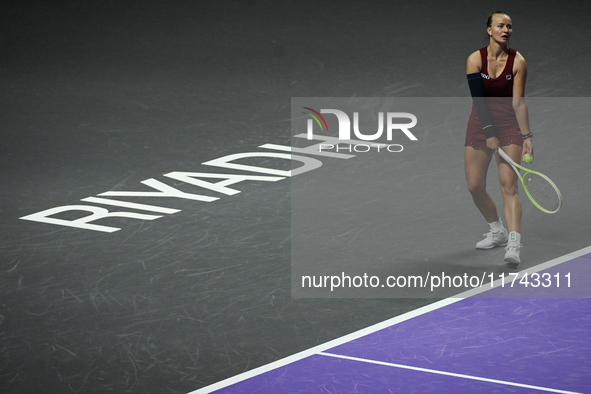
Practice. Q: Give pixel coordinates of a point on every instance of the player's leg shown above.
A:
(476, 163)
(512, 203)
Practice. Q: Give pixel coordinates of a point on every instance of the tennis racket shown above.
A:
(540, 189)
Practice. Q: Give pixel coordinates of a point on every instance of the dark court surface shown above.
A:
(100, 96)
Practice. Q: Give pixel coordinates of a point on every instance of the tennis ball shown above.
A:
(527, 158)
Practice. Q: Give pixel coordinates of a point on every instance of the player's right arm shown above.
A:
(473, 69)
(474, 64)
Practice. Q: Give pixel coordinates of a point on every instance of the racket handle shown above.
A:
(505, 156)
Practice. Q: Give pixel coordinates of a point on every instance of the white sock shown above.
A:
(515, 236)
(496, 226)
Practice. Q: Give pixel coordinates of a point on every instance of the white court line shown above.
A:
(457, 375)
(379, 326)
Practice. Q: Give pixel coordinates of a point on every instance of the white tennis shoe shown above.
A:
(512, 253)
(493, 239)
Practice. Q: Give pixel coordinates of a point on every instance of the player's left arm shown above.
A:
(519, 104)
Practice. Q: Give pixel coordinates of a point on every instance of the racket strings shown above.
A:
(542, 192)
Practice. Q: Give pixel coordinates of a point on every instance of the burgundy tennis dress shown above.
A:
(499, 93)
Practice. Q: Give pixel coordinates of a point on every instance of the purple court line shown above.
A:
(318, 350)
(457, 375)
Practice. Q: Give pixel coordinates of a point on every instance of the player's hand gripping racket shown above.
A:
(542, 192)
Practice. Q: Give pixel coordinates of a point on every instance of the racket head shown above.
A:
(542, 192)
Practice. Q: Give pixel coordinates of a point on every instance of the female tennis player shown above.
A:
(499, 120)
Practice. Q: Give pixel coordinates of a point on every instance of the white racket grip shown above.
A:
(505, 156)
